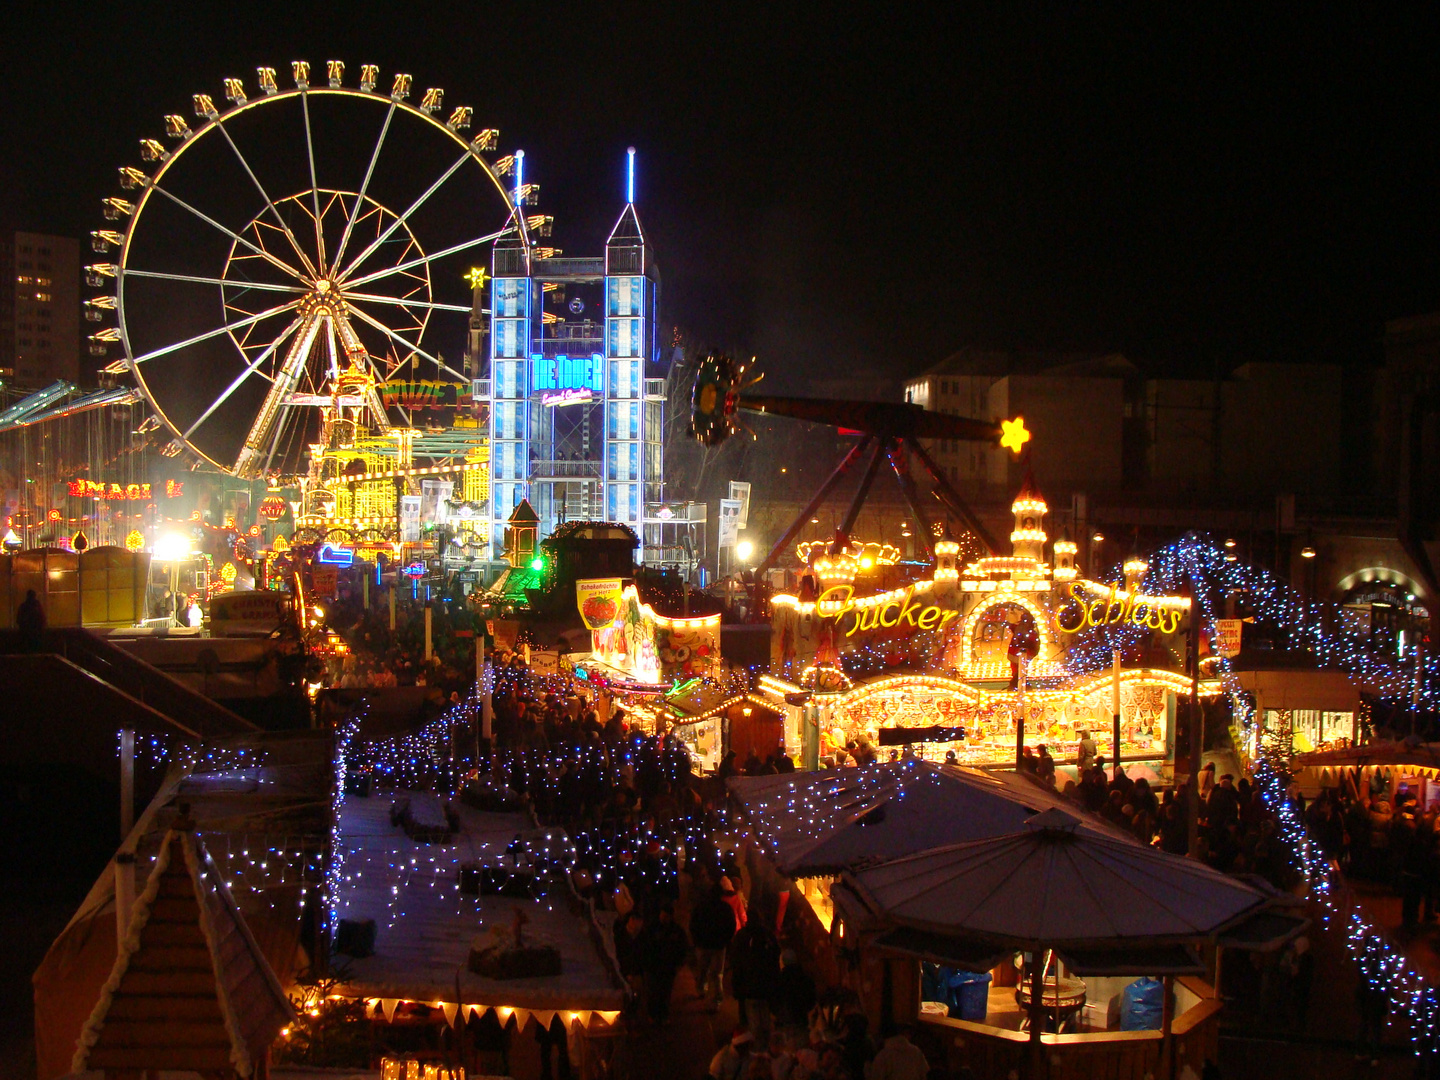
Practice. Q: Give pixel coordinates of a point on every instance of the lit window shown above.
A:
(25, 279)
(42, 296)
(43, 280)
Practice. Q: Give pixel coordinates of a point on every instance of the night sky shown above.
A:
(864, 193)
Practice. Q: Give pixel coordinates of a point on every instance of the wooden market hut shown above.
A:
(1088, 913)
(190, 988)
(810, 827)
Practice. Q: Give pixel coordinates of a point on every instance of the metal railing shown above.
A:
(566, 470)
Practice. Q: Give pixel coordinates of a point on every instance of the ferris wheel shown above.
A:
(292, 251)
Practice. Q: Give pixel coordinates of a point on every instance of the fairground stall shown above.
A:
(951, 660)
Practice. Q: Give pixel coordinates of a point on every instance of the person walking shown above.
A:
(30, 621)
(755, 972)
(662, 950)
(712, 928)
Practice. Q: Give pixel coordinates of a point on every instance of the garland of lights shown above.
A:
(1196, 561)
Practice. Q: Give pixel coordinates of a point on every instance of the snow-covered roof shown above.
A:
(190, 988)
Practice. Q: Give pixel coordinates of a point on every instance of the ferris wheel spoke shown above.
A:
(285, 228)
(364, 187)
(214, 281)
(314, 184)
(400, 301)
(378, 325)
(399, 221)
(378, 274)
(223, 329)
(249, 370)
(296, 274)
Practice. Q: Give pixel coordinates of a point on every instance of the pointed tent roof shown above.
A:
(524, 514)
(1054, 884)
(823, 822)
(190, 988)
(627, 231)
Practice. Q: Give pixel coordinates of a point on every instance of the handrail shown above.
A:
(1008, 1035)
(145, 683)
(1196, 1015)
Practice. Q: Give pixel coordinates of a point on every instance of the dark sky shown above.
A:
(869, 190)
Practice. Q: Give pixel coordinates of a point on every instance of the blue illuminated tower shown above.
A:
(576, 392)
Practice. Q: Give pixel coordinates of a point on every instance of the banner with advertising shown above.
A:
(1227, 637)
(729, 521)
(740, 492)
(598, 600)
(434, 495)
(409, 519)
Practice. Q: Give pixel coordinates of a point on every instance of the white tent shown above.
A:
(813, 823)
(1053, 883)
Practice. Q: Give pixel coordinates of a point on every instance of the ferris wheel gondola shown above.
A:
(274, 270)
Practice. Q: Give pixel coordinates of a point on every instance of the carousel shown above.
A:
(978, 657)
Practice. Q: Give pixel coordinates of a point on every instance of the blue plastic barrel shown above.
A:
(970, 995)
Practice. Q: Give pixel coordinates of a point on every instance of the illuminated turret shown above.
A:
(1028, 539)
(1135, 568)
(1065, 569)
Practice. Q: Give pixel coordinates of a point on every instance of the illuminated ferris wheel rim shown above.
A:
(311, 282)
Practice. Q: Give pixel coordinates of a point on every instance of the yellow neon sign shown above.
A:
(1115, 607)
(839, 600)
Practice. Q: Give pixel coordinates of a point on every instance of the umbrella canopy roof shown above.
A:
(824, 822)
(1054, 883)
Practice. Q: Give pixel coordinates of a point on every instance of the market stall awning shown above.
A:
(1387, 752)
(1134, 960)
(939, 949)
(1265, 931)
(1056, 884)
(817, 823)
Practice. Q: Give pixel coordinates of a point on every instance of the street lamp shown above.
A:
(173, 548)
(743, 550)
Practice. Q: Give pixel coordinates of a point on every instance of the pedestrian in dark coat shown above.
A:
(712, 928)
(30, 621)
(755, 972)
(662, 950)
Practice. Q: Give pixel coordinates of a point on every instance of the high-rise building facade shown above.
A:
(40, 309)
(575, 390)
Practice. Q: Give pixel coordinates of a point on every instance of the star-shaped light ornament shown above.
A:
(477, 277)
(1013, 435)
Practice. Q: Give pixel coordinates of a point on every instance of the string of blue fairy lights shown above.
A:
(1314, 626)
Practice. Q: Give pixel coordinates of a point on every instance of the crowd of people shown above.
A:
(1378, 830)
(652, 854)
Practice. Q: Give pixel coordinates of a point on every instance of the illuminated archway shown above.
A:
(1043, 663)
